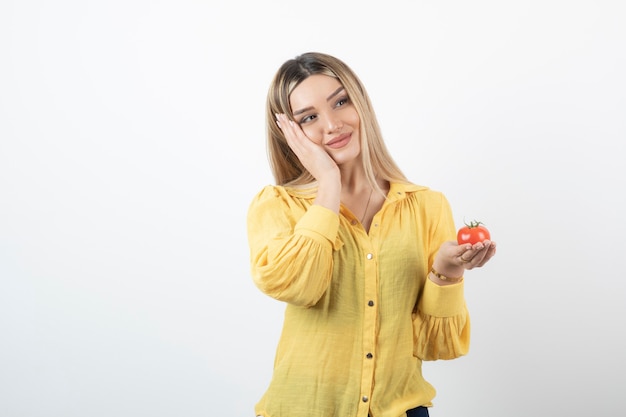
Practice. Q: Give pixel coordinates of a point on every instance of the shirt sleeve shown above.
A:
(441, 323)
(291, 246)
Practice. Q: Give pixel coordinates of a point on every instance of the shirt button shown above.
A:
(353, 222)
(370, 303)
(365, 399)
(370, 256)
(369, 356)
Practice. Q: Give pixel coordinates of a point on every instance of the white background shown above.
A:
(132, 140)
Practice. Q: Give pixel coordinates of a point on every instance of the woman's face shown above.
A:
(326, 115)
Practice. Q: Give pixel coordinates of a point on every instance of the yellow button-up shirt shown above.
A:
(361, 315)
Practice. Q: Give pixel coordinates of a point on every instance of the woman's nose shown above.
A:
(333, 124)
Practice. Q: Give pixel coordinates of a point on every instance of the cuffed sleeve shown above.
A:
(291, 248)
(441, 325)
(321, 224)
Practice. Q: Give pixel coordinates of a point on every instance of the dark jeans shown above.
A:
(417, 412)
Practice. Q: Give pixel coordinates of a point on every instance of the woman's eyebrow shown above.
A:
(337, 91)
(333, 94)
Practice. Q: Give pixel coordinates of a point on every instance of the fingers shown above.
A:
(304, 148)
(312, 155)
(293, 133)
(477, 255)
(299, 143)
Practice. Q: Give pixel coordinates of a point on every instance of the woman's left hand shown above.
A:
(476, 255)
(452, 259)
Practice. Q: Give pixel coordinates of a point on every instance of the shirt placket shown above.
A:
(370, 320)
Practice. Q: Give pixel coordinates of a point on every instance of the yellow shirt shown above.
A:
(361, 314)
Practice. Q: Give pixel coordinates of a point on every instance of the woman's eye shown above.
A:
(342, 101)
(309, 118)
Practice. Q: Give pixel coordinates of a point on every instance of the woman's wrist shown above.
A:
(328, 193)
(443, 279)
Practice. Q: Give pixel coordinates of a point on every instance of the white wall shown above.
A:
(132, 140)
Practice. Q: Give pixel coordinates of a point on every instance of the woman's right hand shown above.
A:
(312, 156)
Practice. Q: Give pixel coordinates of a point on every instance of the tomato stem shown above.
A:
(473, 223)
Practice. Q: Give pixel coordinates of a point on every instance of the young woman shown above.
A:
(366, 261)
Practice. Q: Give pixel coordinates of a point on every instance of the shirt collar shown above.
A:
(397, 191)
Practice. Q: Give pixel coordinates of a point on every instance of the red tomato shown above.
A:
(472, 233)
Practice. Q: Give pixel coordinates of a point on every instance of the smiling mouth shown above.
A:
(340, 141)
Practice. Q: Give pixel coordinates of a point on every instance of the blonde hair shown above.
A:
(285, 165)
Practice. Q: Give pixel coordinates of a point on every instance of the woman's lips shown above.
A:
(340, 141)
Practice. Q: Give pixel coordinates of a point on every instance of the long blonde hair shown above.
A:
(285, 165)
